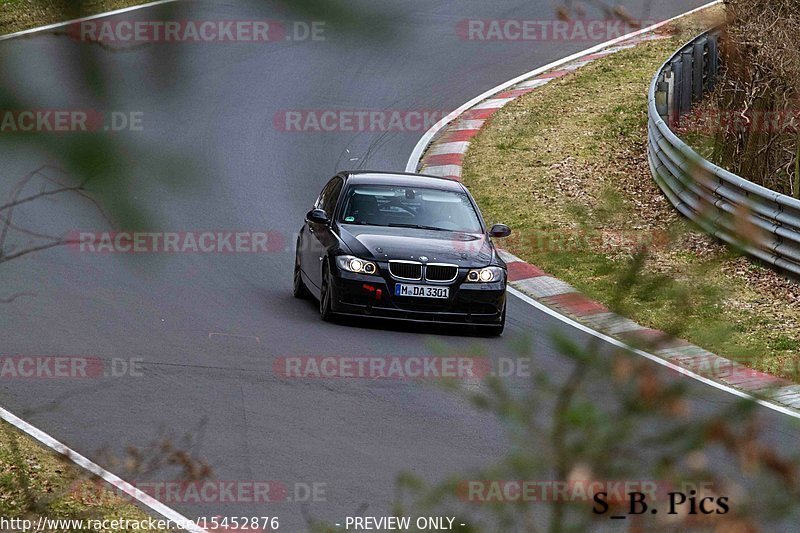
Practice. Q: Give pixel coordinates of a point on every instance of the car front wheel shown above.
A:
(326, 295)
(300, 291)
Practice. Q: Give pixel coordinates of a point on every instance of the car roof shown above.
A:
(402, 179)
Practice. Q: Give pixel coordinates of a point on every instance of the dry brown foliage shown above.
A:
(759, 93)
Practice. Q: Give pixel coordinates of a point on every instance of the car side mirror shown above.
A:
(500, 231)
(317, 216)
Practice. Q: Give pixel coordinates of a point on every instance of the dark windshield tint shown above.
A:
(385, 205)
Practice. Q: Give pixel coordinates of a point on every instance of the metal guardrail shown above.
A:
(761, 222)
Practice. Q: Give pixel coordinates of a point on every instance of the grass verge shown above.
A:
(566, 167)
(18, 15)
(36, 482)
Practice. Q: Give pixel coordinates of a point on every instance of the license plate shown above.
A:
(421, 291)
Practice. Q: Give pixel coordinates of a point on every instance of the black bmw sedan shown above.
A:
(404, 247)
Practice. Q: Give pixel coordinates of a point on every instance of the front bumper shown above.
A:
(373, 296)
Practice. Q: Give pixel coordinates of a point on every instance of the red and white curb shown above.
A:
(445, 154)
(441, 153)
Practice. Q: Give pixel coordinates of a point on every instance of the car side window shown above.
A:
(332, 196)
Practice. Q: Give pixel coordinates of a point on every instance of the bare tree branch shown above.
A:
(52, 192)
(26, 231)
(7, 223)
(33, 249)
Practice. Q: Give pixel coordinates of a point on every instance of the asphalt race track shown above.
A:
(209, 327)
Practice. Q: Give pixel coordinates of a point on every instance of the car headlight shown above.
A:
(356, 265)
(485, 275)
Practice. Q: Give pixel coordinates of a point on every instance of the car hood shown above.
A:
(408, 244)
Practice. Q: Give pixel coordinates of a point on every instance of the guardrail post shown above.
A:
(686, 81)
(699, 68)
(675, 92)
(663, 95)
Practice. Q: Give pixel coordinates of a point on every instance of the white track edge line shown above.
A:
(178, 519)
(419, 149)
(84, 19)
(656, 359)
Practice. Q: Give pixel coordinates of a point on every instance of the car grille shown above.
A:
(406, 270)
(441, 273)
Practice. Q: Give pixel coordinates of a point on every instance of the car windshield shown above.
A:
(406, 207)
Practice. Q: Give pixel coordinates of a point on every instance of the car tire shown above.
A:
(300, 291)
(325, 295)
